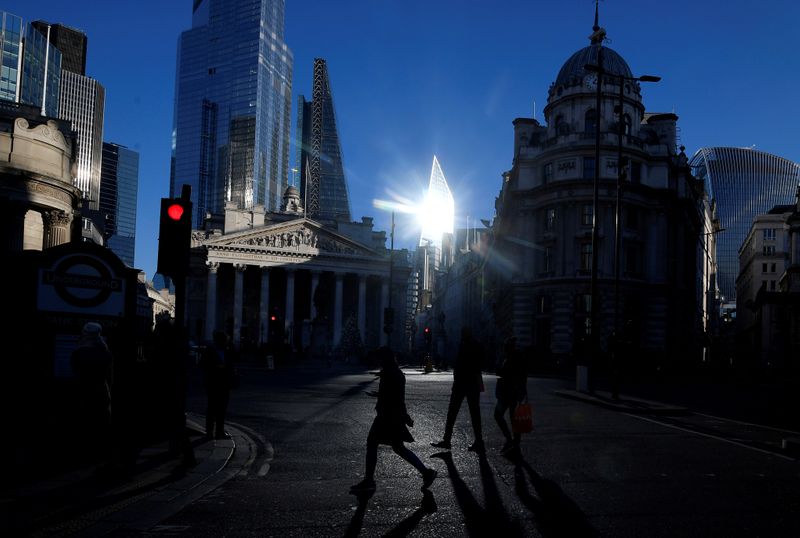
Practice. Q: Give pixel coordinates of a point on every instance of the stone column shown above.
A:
(56, 228)
(314, 284)
(362, 307)
(211, 300)
(238, 301)
(289, 321)
(263, 307)
(384, 305)
(14, 227)
(337, 310)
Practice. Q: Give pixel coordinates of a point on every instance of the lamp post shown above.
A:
(619, 109)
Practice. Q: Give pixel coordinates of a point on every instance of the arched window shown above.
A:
(626, 119)
(562, 127)
(590, 121)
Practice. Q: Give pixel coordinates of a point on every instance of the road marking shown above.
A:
(711, 437)
(748, 423)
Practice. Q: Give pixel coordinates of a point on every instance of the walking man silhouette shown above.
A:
(511, 389)
(390, 424)
(467, 383)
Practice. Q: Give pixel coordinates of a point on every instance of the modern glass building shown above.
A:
(323, 187)
(438, 211)
(30, 68)
(744, 183)
(232, 114)
(82, 102)
(118, 195)
(70, 42)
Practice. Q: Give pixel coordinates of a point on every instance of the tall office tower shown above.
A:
(323, 186)
(118, 193)
(233, 98)
(82, 102)
(31, 69)
(71, 42)
(438, 210)
(743, 182)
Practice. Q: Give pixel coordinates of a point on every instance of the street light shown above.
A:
(617, 207)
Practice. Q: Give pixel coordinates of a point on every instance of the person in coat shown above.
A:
(92, 364)
(390, 426)
(218, 363)
(467, 383)
(511, 389)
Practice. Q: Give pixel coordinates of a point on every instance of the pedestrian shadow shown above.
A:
(357, 521)
(493, 520)
(427, 506)
(404, 528)
(555, 513)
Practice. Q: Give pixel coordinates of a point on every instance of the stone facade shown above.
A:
(541, 255)
(38, 202)
(288, 279)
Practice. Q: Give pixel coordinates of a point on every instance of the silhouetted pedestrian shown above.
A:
(92, 364)
(172, 349)
(218, 363)
(467, 383)
(390, 426)
(511, 389)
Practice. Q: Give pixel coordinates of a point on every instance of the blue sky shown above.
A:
(414, 78)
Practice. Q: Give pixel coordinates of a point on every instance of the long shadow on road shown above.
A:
(556, 514)
(492, 520)
(404, 528)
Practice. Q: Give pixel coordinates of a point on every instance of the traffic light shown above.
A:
(428, 335)
(174, 237)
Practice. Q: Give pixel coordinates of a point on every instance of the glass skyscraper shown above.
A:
(743, 183)
(69, 41)
(323, 185)
(232, 117)
(30, 68)
(118, 195)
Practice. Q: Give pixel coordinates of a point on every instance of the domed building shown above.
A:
(546, 240)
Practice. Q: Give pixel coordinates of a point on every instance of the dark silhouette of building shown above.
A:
(323, 185)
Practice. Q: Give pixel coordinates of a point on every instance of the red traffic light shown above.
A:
(427, 329)
(175, 211)
(272, 318)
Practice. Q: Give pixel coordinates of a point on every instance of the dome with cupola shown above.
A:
(573, 70)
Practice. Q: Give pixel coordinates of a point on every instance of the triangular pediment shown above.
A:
(297, 236)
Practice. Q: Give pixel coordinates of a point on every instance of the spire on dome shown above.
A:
(598, 33)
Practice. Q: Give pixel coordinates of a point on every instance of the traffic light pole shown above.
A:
(180, 281)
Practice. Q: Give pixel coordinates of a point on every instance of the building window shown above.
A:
(769, 234)
(763, 267)
(772, 285)
(547, 173)
(547, 259)
(768, 250)
(636, 172)
(633, 259)
(543, 304)
(586, 257)
(773, 268)
(590, 123)
(626, 122)
(562, 127)
(550, 219)
(588, 167)
(632, 218)
(587, 212)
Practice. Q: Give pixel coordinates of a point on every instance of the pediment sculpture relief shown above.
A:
(298, 240)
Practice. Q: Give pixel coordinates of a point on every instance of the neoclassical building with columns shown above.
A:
(278, 278)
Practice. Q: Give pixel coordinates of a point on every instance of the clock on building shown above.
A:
(590, 81)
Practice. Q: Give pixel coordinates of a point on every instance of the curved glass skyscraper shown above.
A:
(743, 182)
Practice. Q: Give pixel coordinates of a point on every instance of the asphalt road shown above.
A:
(584, 471)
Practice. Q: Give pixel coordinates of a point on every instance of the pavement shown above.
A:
(88, 502)
(85, 502)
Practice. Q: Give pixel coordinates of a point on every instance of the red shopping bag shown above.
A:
(523, 419)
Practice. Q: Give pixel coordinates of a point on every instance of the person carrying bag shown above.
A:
(512, 396)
